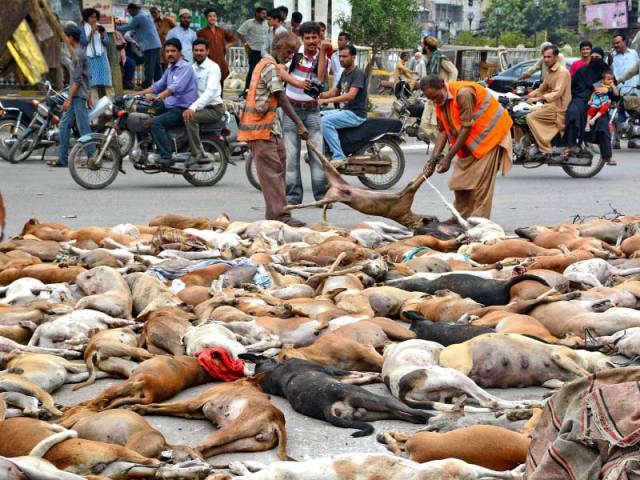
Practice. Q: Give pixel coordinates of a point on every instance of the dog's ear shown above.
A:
(256, 379)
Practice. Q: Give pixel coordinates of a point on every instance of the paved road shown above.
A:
(544, 195)
(524, 197)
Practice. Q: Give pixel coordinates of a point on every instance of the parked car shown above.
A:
(506, 81)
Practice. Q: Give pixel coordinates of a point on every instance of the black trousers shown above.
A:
(254, 58)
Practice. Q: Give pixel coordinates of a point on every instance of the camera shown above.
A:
(315, 89)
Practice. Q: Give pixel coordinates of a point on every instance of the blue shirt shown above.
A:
(622, 63)
(186, 37)
(146, 32)
(178, 78)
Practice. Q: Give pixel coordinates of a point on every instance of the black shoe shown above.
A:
(293, 222)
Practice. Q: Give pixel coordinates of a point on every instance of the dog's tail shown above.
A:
(91, 368)
(42, 447)
(283, 437)
(416, 318)
(527, 276)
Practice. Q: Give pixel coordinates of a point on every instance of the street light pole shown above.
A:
(498, 12)
(470, 17)
(449, 22)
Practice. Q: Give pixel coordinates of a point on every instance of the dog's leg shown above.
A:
(319, 203)
(569, 365)
(184, 409)
(390, 442)
(243, 434)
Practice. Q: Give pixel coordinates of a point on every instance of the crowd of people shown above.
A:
(287, 83)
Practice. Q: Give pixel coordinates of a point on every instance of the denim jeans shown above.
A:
(78, 113)
(292, 143)
(152, 67)
(171, 117)
(334, 120)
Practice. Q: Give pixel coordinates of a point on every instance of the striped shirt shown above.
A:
(268, 84)
(303, 71)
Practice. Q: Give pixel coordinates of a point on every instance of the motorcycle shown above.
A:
(133, 116)
(408, 107)
(43, 131)
(373, 154)
(630, 129)
(585, 162)
(12, 122)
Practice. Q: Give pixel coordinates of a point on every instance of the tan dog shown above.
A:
(512, 248)
(631, 246)
(205, 276)
(485, 445)
(45, 250)
(112, 351)
(125, 428)
(163, 331)
(181, 222)
(11, 382)
(442, 307)
(154, 380)
(106, 292)
(44, 272)
(506, 360)
(245, 417)
(150, 294)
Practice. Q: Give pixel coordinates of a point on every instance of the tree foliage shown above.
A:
(233, 12)
(523, 16)
(382, 24)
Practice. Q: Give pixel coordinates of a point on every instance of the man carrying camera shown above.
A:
(304, 78)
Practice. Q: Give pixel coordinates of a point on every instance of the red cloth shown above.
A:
(219, 363)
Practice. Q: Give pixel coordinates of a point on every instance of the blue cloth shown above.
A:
(186, 37)
(178, 78)
(146, 32)
(78, 113)
(100, 71)
(152, 67)
(334, 120)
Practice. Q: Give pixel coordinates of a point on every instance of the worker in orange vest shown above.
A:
(478, 130)
(261, 129)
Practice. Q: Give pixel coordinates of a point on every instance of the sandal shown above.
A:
(53, 163)
(611, 162)
(568, 152)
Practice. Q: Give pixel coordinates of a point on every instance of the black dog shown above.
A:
(483, 290)
(314, 390)
(444, 333)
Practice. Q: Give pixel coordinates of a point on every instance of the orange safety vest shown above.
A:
(256, 125)
(491, 121)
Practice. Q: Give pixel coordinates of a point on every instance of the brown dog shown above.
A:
(154, 380)
(485, 445)
(247, 421)
(163, 331)
(44, 272)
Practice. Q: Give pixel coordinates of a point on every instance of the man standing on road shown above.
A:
(352, 94)
(177, 89)
(260, 127)
(481, 142)
(275, 26)
(75, 106)
(163, 25)
(253, 35)
(184, 33)
(436, 63)
(147, 36)
(208, 108)
(306, 67)
(219, 40)
(555, 92)
(336, 69)
(625, 66)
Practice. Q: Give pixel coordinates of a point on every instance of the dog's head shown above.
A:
(263, 364)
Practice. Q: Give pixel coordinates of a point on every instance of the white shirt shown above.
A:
(186, 36)
(622, 62)
(336, 68)
(208, 78)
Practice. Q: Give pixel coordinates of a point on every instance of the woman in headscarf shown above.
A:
(94, 38)
(582, 86)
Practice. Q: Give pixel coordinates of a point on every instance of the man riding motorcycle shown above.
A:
(177, 88)
(555, 92)
(208, 108)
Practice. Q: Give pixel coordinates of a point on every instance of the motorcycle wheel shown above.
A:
(126, 139)
(387, 180)
(89, 178)
(208, 178)
(7, 129)
(252, 173)
(21, 150)
(587, 172)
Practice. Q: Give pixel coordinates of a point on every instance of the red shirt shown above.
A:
(577, 65)
(218, 40)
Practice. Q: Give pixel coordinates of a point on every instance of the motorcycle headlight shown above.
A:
(43, 109)
(635, 131)
(398, 106)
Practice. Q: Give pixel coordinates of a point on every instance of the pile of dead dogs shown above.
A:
(261, 310)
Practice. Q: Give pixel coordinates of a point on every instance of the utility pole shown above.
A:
(498, 12)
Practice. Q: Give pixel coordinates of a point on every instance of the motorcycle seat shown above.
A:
(215, 127)
(416, 110)
(352, 139)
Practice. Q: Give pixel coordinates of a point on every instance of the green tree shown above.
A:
(382, 24)
(513, 39)
(233, 12)
(523, 16)
(467, 38)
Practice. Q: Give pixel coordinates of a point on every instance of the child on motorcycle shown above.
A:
(600, 100)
